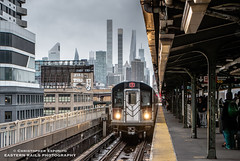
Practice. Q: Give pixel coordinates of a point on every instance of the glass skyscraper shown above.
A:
(100, 67)
(109, 45)
(137, 70)
(54, 53)
(120, 50)
(132, 55)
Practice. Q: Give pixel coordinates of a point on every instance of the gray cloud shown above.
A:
(82, 24)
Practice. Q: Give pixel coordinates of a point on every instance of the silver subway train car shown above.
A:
(134, 108)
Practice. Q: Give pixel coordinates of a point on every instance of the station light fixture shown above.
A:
(229, 60)
(194, 11)
(219, 66)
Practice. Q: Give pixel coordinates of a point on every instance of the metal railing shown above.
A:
(19, 131)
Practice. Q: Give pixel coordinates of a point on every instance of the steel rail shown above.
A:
(113, 154)
(140, 151)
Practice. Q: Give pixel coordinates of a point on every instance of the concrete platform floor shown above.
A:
(188, 149)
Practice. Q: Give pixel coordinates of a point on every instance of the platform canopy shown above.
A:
(184, 34)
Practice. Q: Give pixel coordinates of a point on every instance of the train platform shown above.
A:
(188, 149)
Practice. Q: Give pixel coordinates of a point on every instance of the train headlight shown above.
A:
(118, 115)
(146, 115)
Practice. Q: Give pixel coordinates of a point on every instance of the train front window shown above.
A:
(145, 98)
(118, 100)
(132, 98)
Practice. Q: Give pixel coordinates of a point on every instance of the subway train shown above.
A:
(134, 109)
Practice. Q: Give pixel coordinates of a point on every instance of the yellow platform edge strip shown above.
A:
(162, 147)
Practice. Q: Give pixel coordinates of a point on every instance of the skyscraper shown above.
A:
(137, 70)
(109, 46)
(20, 96)
(113, 79)
(76, 56)
(141, 55)
(132, 55)
(54, 53)
(100, 67)
(147, 76)
(120, 50)
(92, 58)
(126, 69)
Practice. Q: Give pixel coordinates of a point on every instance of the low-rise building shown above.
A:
(67, 88)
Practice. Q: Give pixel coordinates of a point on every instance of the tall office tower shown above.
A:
(12, 11)
(120, 50)
(20, 96)
(125, 67)
(109, 46)
(147, 76)
(92, 58)
(132, 55)
(101, 67)
(54, 53)
(128, 73)
(76, 56)
(141, 55)
(113, 79)
(137, 70)
(115, 68)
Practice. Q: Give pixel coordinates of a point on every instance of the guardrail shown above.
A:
(19, 131)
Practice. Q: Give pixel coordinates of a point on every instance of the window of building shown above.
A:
(63, 109)
(75, 98)
(41, 98)
(23, 99)
(18, 99)
(64, 98)
(80, 98)
(28, 114)
(31, 63)
(8, 39)
(41, 112)
(49, 98)
(8, 116)
(33, 98)
(8, 99)
(32, 113)
(14, 74)
(18, 115)
(49, 111)
(28, 99)
(37, 98)
(21, 115)
(37, 112)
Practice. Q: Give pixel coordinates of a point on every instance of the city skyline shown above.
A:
(88, 31)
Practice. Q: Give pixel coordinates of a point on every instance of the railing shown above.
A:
(19, 131)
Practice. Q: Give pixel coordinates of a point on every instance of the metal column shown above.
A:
(177, 103)
(185, 106)
(180, 105)
(211, 129)
(172, 101)
(193, 104)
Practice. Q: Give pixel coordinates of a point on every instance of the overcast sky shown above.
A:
(81, 24)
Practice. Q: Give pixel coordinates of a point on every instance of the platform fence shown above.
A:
(22, 130)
